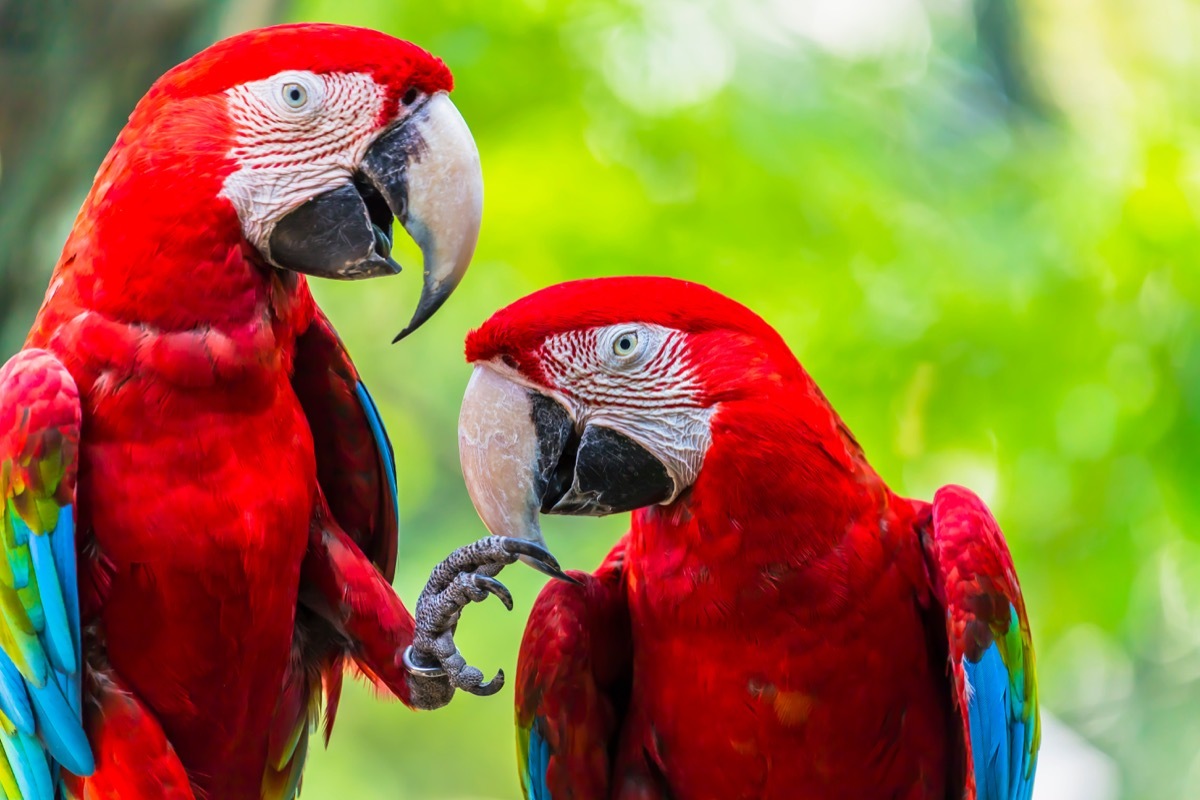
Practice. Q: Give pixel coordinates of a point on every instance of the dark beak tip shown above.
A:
(410, 328)
(429, 304)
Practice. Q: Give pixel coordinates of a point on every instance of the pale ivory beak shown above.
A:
(444, 204)
(498, 449)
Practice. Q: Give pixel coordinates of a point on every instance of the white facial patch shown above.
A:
(635, 379)
(299, 134)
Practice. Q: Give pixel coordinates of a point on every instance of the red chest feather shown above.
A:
(197, 484)
(818, 672)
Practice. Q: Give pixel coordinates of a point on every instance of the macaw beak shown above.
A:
(523, 455)
(424, 171)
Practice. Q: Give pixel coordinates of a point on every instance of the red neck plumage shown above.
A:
(783, 480)
(156, 254)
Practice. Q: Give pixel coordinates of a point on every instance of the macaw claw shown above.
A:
(539, 558)
(467, 576)
(496, 588)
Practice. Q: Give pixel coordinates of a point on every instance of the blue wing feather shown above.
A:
(30, 766)
(66, 565)
(537, 765)
(60, 646)
(53, 709)
(60, 728)
(387, 455)
(1003, 765)
(14, 701)
(988, 715)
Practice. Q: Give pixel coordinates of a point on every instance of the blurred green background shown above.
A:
(974, 222)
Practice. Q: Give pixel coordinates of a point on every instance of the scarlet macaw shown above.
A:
(776, 623)
(185, 421)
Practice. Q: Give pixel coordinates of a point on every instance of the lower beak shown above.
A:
(522, 456)
(424, 172)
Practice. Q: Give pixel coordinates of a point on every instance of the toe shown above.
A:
(495, 587)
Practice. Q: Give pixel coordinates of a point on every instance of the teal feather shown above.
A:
(31, 602)
(66, 564)
(60, 727)
(56, 629)
(14, 701)
(29, 765)
(538, 765)
(18, 556)
(21, 531)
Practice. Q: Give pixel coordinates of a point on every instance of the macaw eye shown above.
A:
(625, 344)
(410, 96)
(295, 95)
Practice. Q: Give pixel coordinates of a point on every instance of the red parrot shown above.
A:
(777, 623)
(197, 498)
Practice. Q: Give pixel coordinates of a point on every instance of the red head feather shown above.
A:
(736, 346)
(319, 48)
(670, 302)
(157, 239)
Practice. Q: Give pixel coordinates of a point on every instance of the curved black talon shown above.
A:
(495, 587)
(538, 557)
(487, 689)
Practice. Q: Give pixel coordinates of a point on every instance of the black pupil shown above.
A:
(410, 97)
(294, 94)
(625, 344)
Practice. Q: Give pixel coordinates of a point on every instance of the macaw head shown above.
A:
(608, 395)
(304, 142)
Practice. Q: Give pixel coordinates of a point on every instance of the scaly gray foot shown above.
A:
(466, 576)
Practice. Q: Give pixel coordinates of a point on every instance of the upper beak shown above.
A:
(522, 454)
(425, 172)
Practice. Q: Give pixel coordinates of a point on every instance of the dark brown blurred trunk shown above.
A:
(70, 73)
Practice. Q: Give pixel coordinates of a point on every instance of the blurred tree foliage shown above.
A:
(72, 71)
(975, 226)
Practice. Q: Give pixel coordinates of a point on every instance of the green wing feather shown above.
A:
(40, 660)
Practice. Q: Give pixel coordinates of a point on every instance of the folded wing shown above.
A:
(990, 648)
(40, 663)
(572, 685)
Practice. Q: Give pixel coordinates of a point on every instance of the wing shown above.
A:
(990, 649)
(573, 683)
(355, 463)
(356, 469)
(40, 666)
